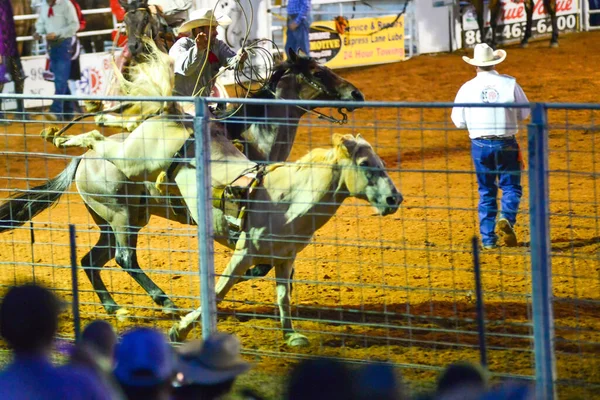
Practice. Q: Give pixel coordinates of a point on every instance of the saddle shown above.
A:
(233, 199)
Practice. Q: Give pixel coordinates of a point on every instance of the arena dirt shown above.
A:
(398, 288)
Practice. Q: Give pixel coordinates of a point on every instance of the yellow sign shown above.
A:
(366, 41)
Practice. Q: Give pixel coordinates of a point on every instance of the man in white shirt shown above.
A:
(494, 148)
(59, 22)
(198, 58)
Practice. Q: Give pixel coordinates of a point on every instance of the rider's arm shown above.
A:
(223, 52)
(186, 56)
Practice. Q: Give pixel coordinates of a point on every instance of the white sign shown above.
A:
(512, 21)
(96, 71)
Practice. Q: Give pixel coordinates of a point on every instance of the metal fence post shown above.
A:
(205, 227)
(541, 269)
(74, 284)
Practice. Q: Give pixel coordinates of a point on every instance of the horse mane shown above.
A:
(267, 90)
(318, 156)
(151, 78)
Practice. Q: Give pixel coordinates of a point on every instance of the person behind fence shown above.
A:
(28, 324)
(11, 68)
(298, 25)
(208, 369)
(198, 57)
(58, 21)
(494, 148)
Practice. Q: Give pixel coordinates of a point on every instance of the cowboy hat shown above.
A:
(485, 56)
(203, 17)
(215, 361)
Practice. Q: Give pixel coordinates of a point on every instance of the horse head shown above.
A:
(139, 23)
(364, 174)
(317, 82)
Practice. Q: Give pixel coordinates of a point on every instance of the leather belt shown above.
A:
(496, 137)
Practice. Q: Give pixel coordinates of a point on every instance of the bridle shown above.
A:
(321, 89)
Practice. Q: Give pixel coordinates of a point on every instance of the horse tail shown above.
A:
(23, 207)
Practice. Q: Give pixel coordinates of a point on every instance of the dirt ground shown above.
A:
(398, 288)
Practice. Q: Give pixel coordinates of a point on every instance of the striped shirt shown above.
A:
(298, 9)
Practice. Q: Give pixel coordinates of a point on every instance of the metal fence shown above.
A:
(398, 288)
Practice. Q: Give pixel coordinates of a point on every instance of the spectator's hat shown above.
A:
(203, 17)
(485, 56)
(215, 361)
(144, 358)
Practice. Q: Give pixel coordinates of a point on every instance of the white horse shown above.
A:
(293, 201)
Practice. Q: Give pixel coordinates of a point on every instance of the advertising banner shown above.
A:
(366, 41)
(512, 20)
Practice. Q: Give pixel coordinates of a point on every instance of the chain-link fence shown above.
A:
(370, 238)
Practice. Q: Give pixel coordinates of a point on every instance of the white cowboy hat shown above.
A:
(204, 17)
(215, 361)
(485, 56)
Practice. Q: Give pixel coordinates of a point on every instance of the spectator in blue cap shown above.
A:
(145, 365)
(377, 381)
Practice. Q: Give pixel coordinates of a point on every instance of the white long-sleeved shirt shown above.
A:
(64, 22)
(188, 61)
(490, 87)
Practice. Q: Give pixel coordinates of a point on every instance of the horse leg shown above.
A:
(550, 6)
(85, 140)
(494, 6)
(240, 261)
(93, 262)
(126, 257)
(283, 273)
(478, 4)
(528, 4)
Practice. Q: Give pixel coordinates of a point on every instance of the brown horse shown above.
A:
(495, 7)
(24, 27)
(143, 20)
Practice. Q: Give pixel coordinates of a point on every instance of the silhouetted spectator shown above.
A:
(28, 324)
(95, 351)
(377, 381)
(320, 378)
(102, 336)
(461, 376)
(207, 370)
(145, 365)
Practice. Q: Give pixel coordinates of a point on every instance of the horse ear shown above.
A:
(344, 143)
(292, 56)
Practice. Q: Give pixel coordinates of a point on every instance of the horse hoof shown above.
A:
(122, 314)
(175, 335)
(49, 133)
(296, 340)
(524, 45)
(554, 45)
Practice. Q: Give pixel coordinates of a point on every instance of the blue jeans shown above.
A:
(298, 38)
(60, 65)
(497, 164)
